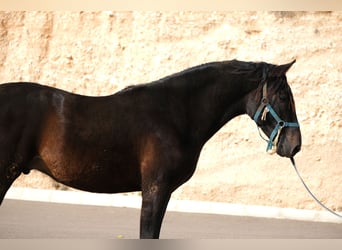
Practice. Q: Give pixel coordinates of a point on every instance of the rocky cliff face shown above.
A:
(98, 53)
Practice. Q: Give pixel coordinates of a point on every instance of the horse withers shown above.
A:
(144, 138)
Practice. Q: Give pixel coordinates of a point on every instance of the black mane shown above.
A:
(251, 70)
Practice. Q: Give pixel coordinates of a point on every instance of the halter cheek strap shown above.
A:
(263, 109)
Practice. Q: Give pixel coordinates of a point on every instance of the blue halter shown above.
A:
(266, 107)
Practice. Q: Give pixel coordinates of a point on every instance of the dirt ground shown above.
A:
(99, 53)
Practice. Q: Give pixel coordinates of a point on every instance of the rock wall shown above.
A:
(98, 53)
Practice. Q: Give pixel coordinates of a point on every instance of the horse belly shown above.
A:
(105, 179)
(87, 167)
(92, 174)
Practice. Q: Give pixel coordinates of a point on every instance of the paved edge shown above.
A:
(190, 206)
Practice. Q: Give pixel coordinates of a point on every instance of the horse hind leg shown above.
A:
(10, 171)
(15, 156)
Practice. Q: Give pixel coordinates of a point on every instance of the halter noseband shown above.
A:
(266, 107)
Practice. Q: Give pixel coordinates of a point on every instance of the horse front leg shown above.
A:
(154, 202)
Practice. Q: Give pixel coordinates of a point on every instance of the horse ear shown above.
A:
(280, 70)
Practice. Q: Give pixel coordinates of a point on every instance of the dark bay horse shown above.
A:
(146, 137)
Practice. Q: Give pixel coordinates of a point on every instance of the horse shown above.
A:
(146, 137)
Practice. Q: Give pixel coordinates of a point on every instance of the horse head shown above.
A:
(272, 107)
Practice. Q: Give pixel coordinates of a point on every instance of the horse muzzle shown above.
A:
(289, 143)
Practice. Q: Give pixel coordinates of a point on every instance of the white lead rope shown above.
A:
(313, 196)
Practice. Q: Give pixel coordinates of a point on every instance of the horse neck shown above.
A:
(213, 100)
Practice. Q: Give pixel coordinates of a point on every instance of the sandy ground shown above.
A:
(100, 53)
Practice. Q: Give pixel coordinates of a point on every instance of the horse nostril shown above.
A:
(296, 150)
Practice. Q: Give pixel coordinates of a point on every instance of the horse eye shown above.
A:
(283, 96)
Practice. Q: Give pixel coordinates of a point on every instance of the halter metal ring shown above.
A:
(264, 100)
(281, 123)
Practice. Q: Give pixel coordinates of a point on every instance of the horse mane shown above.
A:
(254, 71)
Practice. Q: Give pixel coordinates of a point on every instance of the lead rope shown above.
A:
(313, 196)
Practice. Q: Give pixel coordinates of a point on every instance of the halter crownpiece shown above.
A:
(264, 108)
